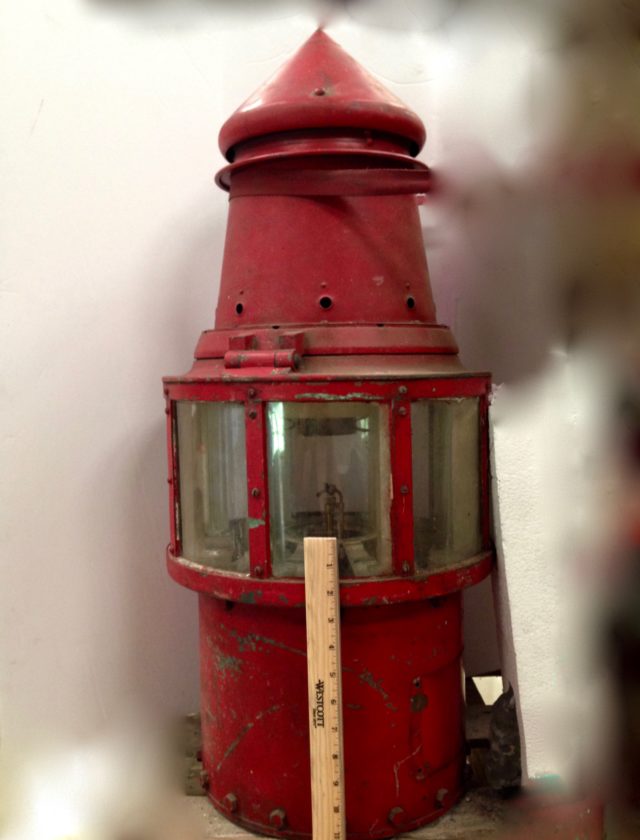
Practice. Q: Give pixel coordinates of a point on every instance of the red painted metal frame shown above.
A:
(354, 592)
(257, 489)
(398, 395)
(402, 482)
(339, 339)
(172, 479)
(347, 143)
(301, 388)
(326, 182)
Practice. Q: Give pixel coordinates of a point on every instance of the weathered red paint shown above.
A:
(321, 87)
(402, 713)
(353, 591)
(325, 296)
(211, 384)
(401, 474)
(341, 340)
(257, 491)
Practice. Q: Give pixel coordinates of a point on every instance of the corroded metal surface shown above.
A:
(354, 592)
(403, 738)
(477, 817)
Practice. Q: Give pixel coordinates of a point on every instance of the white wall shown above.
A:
(113, 232)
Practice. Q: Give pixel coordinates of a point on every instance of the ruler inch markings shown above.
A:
(322, 601)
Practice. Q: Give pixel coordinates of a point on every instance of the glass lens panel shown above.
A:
(329, 476)
(446, 482)
(213, 484)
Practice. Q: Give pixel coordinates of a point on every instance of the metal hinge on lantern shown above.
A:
(248, 351)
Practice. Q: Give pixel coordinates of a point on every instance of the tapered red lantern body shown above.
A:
(328, 401)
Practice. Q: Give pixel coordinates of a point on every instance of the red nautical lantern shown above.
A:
(328, 401)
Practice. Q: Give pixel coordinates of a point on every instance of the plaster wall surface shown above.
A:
(553, 490)
(113, 233)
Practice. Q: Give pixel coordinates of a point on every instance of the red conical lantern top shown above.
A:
(321, 87)
(324, 237)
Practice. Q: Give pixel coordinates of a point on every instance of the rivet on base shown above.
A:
(278, 818)
(440, 795)
(397, 817)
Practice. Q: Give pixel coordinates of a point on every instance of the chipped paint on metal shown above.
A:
(245, 729)
(254, 523)
(399, 764)
(356, 395)
(419, 702)
(228, 663)
(251, 596)
(252, 640)
(244, 642)
(368, 678)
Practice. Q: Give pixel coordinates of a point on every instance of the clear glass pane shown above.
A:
(213, 484)
(446, 481)
(329, 475)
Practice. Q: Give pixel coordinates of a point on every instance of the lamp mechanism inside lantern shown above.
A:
(329, 478)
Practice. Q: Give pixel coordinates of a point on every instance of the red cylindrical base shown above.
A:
(403, 714)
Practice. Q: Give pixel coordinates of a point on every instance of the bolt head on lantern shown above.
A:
(327, 401)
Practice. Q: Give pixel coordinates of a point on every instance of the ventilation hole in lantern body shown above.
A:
(239, 308)
(326, 302)
(411, 303)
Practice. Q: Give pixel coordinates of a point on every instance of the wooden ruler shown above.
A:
(322, 598)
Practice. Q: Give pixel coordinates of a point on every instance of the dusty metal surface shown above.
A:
(477, 817)
(479, 814)
(368, 592)
(402, 698)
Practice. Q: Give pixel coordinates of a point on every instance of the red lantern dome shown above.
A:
(321, 87)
